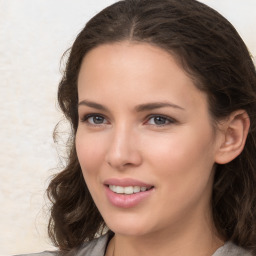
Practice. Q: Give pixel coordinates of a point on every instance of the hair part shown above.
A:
(213, 54)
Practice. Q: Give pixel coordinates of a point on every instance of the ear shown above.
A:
(234, 132)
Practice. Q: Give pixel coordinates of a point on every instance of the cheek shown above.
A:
(183, 158)
(183, 170)
(90, 152)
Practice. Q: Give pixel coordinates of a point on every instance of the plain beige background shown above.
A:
(33, 36)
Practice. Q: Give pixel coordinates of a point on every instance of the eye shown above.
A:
(160, 120)
(94, 119)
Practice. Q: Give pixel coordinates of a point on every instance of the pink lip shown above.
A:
(126, 201)
(126, 182)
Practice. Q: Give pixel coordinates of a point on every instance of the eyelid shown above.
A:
(169, 119)
(84, 118)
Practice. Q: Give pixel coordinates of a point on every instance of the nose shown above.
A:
(123, 149)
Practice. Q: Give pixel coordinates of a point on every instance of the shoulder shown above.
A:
(45, 253)
(95, 247)
(230, 249)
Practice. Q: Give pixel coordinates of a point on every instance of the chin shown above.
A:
(128, 227)
(129, 231)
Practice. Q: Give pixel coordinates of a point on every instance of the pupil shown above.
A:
(160, 120)
(98, 120)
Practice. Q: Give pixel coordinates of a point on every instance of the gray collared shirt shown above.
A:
(97, 247)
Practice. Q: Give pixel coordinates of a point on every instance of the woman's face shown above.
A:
(144, 126)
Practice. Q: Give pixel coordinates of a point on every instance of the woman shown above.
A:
(161, 99)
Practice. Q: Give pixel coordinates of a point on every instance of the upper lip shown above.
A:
(126, 182)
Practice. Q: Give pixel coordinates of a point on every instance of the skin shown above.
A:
(176, 157)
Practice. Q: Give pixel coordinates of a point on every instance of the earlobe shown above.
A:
(234, 130)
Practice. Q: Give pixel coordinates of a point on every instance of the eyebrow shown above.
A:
(156, 105)
(138, 108)
(92, 105)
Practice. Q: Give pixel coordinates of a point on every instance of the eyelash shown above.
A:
(86, 117)
(165, 118)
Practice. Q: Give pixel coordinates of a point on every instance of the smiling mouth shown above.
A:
(129, 189)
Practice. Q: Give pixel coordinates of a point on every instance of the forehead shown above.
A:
(135, 69)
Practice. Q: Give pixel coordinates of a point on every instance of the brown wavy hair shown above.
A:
(216, 58)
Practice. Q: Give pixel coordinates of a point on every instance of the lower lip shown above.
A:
(127, 201)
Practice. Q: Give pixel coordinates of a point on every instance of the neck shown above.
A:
(191, 240)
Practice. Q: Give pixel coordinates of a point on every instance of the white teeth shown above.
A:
(136, 189)
(127, 190)
(119, 190)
